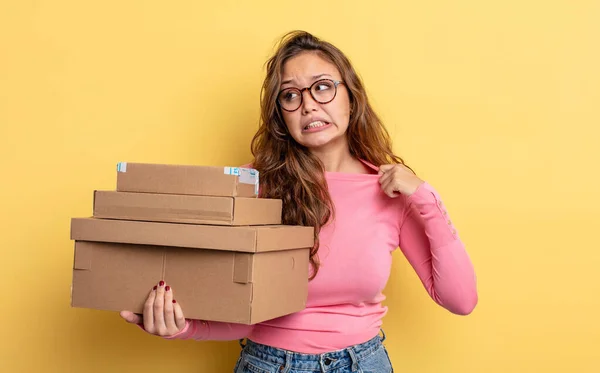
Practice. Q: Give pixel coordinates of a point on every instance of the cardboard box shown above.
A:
(250, 239)
(211, 285)
(183, 179)
(233, 274)
(187, 208)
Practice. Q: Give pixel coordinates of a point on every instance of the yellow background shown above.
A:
(494, 103)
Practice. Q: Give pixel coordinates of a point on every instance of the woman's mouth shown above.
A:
(316, 126)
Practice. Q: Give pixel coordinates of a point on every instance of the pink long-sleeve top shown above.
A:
(344, 300)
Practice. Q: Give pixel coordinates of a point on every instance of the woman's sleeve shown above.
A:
(432, 247)
(200, 330)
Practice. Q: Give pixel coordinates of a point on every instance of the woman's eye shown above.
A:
(289, 96)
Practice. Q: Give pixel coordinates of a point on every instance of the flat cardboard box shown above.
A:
(212, 285)
(186, 179)
(179, 208)
(250, 239)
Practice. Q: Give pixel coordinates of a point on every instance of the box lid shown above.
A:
(187, 179)
(180, 208)
(231, 238)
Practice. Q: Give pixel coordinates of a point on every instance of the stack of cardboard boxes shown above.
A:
(204, 231)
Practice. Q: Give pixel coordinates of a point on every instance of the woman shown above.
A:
(317, 149)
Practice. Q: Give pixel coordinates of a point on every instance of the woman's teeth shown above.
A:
(315, 125)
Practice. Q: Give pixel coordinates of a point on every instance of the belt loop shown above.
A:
(354, 359)
(288, 362)
(383, 335)
(322, 364)
(242, 344)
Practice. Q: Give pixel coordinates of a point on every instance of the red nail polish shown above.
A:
(174, 301)
(167, 288)
(161, 283)
(154, 288)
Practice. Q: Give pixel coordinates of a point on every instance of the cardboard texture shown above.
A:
(244, 239)
(183, 179)
(204, 232)
(187, 208)
(211, 285)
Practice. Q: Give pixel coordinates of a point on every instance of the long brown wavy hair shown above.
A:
(288, 170)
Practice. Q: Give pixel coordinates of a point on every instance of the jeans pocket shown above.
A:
(237, 364)
(377, 362)
(252, 364)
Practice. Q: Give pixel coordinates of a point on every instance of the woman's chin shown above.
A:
(320, 141)
(320, 145)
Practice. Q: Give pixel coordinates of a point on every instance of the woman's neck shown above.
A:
(338, 159)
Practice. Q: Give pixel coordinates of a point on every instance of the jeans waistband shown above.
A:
(324, 362)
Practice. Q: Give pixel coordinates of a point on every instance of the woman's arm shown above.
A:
(432, 246)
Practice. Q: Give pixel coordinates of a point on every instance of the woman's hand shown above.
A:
(162, 314)
(397, 178)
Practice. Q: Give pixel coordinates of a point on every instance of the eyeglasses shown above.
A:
(322, 91)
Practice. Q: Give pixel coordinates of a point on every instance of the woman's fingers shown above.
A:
(384, 177)
(179, 318)
(159, 310)
(162, 314)
(131, 317)
(388, 187)
(169, 313)
(149, 311)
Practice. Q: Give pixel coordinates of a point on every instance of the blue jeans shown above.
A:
(368, 357)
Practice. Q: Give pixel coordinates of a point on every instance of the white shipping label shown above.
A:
(122, 167)
(246, 175)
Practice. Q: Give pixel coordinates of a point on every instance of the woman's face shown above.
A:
(314, 125)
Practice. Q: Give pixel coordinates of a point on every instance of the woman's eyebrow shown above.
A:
(320, 76)
(315, 77)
